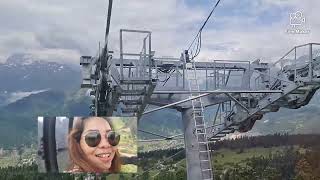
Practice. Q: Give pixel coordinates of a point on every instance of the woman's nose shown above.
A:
(104, 143)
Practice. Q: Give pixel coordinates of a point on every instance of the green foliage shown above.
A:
(181, 174)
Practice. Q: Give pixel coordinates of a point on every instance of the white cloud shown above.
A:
(65, 30)
(61, 55)
(15, 96)
(266, 41)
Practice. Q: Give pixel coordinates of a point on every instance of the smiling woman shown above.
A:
(93, 146)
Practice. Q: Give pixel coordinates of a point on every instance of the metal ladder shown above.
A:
(200, 130)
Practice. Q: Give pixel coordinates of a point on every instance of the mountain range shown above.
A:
(22, 73)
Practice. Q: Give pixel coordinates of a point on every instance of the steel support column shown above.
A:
(191, 146)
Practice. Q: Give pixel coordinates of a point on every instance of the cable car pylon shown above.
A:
(241, 91)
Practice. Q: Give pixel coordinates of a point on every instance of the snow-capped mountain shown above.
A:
(23, 72)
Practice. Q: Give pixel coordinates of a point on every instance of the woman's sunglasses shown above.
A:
(93, 138)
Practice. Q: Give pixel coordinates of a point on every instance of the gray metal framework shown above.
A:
(242, 91)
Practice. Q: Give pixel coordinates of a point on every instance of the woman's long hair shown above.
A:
(77, 156)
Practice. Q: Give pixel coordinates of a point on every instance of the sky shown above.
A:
(62, 31)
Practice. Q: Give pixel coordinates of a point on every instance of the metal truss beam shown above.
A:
(218, 91)
(202, 95)
(200, 65)
(237, 102)
(176, 103)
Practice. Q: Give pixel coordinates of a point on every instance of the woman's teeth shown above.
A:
(104, 155)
